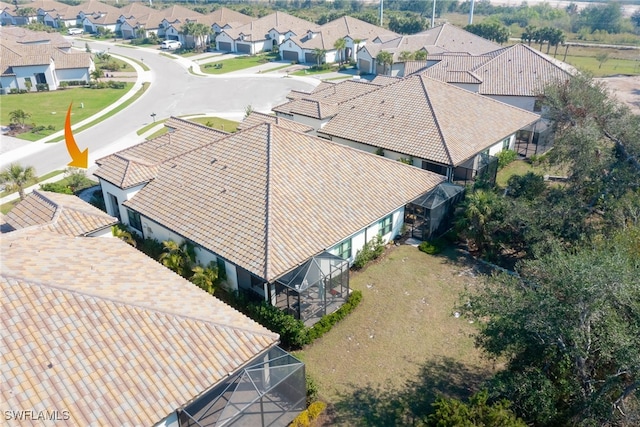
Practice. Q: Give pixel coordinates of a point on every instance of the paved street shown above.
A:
(173, 91)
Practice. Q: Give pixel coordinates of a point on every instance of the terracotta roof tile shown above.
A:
(61, 213)
(80, 333)
(416, 117)
(277, 191)
(256, 118)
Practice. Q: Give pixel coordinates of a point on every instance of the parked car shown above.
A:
(170, 44)
(75, 31)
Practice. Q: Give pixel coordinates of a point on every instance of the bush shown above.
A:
(529, 185)
(505, 157)
(308, 415)
(315, 409)
(56, 187)
(312, 390)
(302, 420)
(116, 85)
(42, 87)
(369, 252)
(431, 248)
(327, 322)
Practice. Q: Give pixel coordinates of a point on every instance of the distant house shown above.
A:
(263, 34)
(282, 213)
(436, 40)
(59, 213)
(36, 61)
(94, 332)
(356, 33)
(431, 124)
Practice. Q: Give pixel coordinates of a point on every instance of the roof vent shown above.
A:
(224, 190)
(213, 161)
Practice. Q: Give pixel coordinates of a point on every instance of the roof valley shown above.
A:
(267, 228)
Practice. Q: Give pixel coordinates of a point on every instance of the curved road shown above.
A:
(173, 91)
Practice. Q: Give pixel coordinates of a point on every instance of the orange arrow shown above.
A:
(78, 159)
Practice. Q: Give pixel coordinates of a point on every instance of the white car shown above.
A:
(171, 44)
(75, 31)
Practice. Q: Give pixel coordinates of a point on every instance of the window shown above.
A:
(134, 220)
(344, 249)
(505, 143)
(384, 226)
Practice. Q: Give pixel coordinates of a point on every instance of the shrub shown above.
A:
(116, 85)
(301, 420)
(37, 129)
(312, 390)
(369, 252)
(505, 157)
(529, 185)
(42, 87)
(430, 248)
(56, 187)
(315, 409)
(327, 322)
(537, 159)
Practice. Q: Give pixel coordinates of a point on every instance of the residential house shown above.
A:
(40, 66)
(263, 34)
(102, 20)
(7, 14)
(59, 213)
(25, 37)
(172, 20)
(256, 118)
(133, 20)
(316, 108)
(224, 19)
(515, 75)
(356, 33)
(17, 14)
(280, 212)
(94, 332)
(436, 40)
(431, 124)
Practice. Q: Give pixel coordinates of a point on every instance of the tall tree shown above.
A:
(569, 327)
(15, 177)
(320, 55)
(385, 59)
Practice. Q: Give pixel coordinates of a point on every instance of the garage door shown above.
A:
(310, 58)
(244, 48)
(289, 55)
(364, 65)
(225, 46)
(127, 34)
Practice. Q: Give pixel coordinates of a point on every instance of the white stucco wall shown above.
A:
(122, 195)
(500, 145)
(7, 83)
(105, 232)
(69, 74)
(524, 102)
(31, 70)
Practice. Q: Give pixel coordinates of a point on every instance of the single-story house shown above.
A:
(59, 213)
(281, 213)
(21, 14)
(94, 332)
(356, 33)
(134, 15)
(40, 66)
(263, 34)
(436, 40)
(431, 124)
(316, 108)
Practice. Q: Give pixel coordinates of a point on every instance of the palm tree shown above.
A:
(320, 55)
(479, 207)
(121, 233)
(16, 177)
(384, 58)
(196, 30)
(18, 117)
(340, 45)
(405, 56)
(178, 258)
(205, 278)
(420, 55)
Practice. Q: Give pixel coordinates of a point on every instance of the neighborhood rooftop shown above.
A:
(417, 117)
(60, 213)
(269, 198)
(80, 333)
(256, 118)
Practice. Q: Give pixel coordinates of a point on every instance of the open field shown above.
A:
(404, 334)
(50, 108)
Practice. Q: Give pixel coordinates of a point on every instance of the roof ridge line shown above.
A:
(435, 118)
(267, 260)
(29, 282)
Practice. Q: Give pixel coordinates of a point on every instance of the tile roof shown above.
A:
(518, 70)
(22, 35)
(256, 118)
(268, 198)
(357, 29)
(81, 333)
(454, 39)
(140, 163)
(416, 116)
(60, 213)
(324, 100)
(224, 16)
(14, 54)
(280, 21)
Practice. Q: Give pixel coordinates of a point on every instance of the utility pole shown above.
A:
(433, 14)
(471, 12)
(381, 12)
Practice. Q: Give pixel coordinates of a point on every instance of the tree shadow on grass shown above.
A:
(379, 406)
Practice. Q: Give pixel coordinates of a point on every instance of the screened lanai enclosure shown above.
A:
(314, 289)
(430, 215)
(481, 167)
(271, 391)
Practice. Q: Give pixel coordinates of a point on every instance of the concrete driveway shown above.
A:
(174, 91)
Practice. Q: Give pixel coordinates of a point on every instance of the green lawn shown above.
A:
(124, 66)
(311, 72)
(235, 64)
(521, 167)
(50, 108)
(404, 332)
(610, 67)
(34, 181)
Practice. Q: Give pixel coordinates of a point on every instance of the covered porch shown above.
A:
(316, 288)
